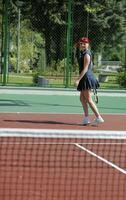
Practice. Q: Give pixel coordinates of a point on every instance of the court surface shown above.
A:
(45, 152)
(58, 109)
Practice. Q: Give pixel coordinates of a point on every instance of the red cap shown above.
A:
(84, 40)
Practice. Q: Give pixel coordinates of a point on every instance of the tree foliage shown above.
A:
(103, 21)
(106, 21)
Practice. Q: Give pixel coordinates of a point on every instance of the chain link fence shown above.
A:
(39, 38)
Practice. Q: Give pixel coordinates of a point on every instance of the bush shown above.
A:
(35, 77)
(121, 78)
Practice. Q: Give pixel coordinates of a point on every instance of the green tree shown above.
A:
(103, 21)
(49, 18)
(30, 44)
(106, 21)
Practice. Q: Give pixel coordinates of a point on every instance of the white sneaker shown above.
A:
(86, 121)
(97, 121)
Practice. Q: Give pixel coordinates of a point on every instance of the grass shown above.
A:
(19, 79)
(27, 80)
(108, 85)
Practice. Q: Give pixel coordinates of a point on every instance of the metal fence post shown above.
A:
(18, 42)
(125, 58)
(68, 61)
(1, 61)
(5, 40)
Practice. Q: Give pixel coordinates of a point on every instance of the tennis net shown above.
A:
(62, 165)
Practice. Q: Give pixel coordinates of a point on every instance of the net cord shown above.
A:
(60, 133)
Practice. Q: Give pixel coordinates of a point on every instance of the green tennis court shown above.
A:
(57, 101)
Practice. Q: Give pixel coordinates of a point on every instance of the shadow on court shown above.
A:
(43, 122)
(8, 102)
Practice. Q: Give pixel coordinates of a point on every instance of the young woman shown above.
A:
(86, 82)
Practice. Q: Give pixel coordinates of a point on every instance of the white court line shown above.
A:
(59, 113)
(102, 159)
(58, 92)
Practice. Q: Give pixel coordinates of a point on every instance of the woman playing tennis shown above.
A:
(86, 82)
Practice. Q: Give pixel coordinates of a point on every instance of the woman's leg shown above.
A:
(88, 97)
(84, 104)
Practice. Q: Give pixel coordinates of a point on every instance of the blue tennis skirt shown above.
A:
(88, 82)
